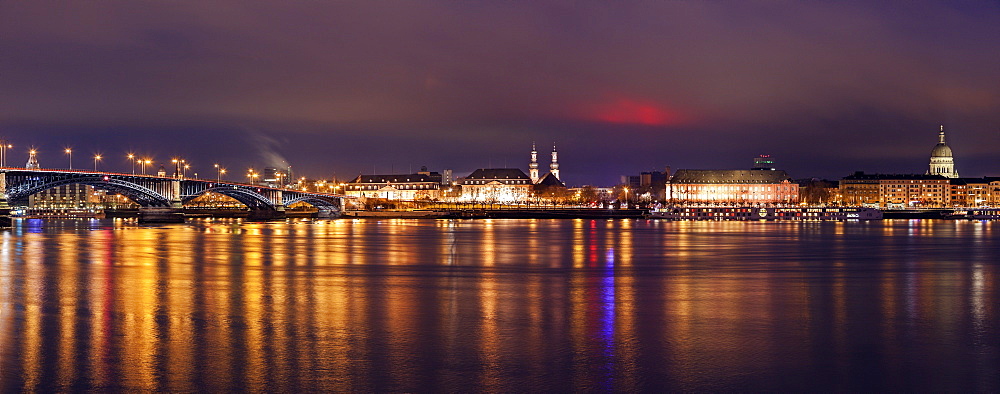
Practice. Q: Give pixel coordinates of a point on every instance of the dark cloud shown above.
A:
(825, 87)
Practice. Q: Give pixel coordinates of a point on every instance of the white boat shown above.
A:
(755, 213)
(984, 214)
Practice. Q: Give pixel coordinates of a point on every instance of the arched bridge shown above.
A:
(164, 194)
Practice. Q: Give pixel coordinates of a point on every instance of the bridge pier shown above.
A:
(161, 215)
(325, 213)
(5, 219)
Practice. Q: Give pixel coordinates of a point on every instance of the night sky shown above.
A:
(826, 88)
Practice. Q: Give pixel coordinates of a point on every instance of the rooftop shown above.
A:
(730, 176)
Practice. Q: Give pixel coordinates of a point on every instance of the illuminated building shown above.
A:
(497, 185)
(732, 187)
(270, 176)
(65, 196)
(760, 185)
(895, 190)
(860, 190)
(406, 187)
(942, 161)
(974, 192)
(899, 191)
(763, 162)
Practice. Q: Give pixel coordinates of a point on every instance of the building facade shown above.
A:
(895, 190)
(66, 197)
(400, 187)
(732, 187)
(861, 190)
(974, 192)
(914, 191)
(497, 185)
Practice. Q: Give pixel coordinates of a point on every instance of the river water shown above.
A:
(499, 305)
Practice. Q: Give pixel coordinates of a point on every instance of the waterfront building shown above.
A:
(732, 187)
(942, 161)
(974, 192)
(914, 191)
(895, 190)
(497, 185)
(405, 187)
(66, 197)
(860, 190)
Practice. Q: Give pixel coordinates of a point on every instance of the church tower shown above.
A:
(942, 160)
(554, 167)
(533, 166)
(32, 160)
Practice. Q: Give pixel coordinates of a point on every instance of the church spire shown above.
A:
(554, 167)
(533, 166)
(941, 135)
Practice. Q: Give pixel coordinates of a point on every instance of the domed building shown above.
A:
(942, 161)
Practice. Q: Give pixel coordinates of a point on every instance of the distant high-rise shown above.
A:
(763, 162)
(942, 160)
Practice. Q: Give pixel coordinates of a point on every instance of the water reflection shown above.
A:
(498, 305)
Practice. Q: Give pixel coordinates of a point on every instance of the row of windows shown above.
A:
(397, 187)
(503, 181)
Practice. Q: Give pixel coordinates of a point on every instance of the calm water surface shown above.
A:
(499, 305)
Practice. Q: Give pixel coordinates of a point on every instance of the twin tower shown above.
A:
(533, 166)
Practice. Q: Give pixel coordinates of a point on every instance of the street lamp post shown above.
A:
(69, 151)
(131, 159)
(97, 158)
(3, 152)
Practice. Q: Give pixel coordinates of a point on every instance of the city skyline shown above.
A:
(150, 164)
(826, 89)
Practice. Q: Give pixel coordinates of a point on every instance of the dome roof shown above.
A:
(941, 150)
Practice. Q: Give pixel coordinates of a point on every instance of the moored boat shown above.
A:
(766, 213)
(984, 214)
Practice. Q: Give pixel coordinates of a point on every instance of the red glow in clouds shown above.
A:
(635, 112)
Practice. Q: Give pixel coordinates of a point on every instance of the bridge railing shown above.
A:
(170, 178)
